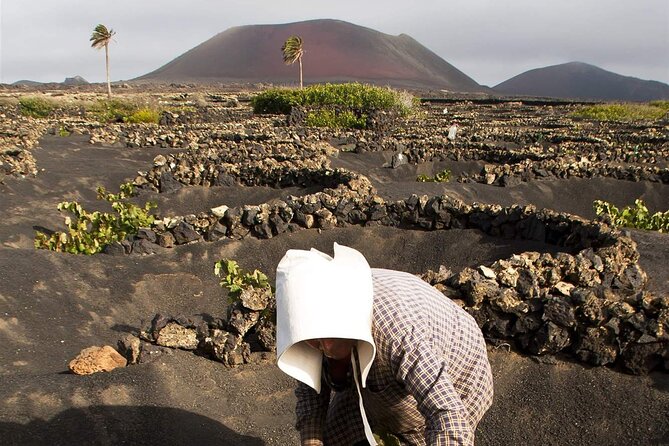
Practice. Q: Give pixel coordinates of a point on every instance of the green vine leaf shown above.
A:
(236, 280)
(637, 216)
(90, 232)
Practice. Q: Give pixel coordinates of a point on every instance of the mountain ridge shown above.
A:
(580, 80)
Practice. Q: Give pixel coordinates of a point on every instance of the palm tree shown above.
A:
(101, 37)
(292, 51)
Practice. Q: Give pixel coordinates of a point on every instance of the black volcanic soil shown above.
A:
(574, 196)
(53, 305)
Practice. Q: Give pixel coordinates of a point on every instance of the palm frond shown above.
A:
(101, 36)
(292, 50)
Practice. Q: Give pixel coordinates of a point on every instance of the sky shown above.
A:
(489, 40)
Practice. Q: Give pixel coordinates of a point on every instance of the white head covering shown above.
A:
(318, 296)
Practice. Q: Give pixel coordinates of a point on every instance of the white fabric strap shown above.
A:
(356, 377)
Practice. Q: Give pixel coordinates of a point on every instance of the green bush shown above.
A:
(624, 112)
(637, 216)
(113, 110)
(335, 120)
(90, 232)
(116, 110)
(664, 105)
(145, 115)
(345, 105)
(35, 106)
(276, 101)
(236, 280)
(440, 177)
(353, 96)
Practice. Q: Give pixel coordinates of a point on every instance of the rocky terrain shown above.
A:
(576, 312)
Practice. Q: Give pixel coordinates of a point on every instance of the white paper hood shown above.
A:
(318, 296)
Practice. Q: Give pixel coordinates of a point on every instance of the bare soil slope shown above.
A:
(334, 51)
(582, 81)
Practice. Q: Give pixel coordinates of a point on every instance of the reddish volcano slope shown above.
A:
(582, 81)
(334, 51)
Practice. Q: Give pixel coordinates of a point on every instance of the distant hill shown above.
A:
(27, 83)
(582, 81)
(76, 80)
(334, 51)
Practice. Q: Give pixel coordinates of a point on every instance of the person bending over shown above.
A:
(375, 350)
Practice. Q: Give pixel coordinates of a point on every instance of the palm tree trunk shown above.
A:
(107, 65)
(300, 60)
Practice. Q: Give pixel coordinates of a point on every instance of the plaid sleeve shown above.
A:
(437, 354)
(311, 410)
(425, 376)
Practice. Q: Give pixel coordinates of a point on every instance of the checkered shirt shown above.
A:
(430, 382)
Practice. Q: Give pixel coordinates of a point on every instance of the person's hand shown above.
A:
(312, 442)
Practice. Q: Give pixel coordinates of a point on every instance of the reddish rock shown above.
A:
(96, 359)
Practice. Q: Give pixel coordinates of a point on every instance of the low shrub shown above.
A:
(276, 101)
(116, 110)
(89, 232)
(335, 105)
(144, 115)
(335, 120)
(664, 105)
(35, 106)
(354, 96)
(113, 110)
(623, 112)
(440, 177)
(636, 216)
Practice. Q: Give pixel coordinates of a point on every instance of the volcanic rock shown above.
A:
(130, 347)
(166, 240)
(240, 319)
(550, 338)
(184, 233)
(266, 332)
(229, 348)
(559, 311)
(255, 299)
(398, 159)
(175, 336)
(508, 301)
(168, 183)
(597, 346)
(641, 358)
(96, 359)
(115, 249)
(564, 288)
(144, 246)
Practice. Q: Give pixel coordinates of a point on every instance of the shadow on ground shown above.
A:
(123, 425)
